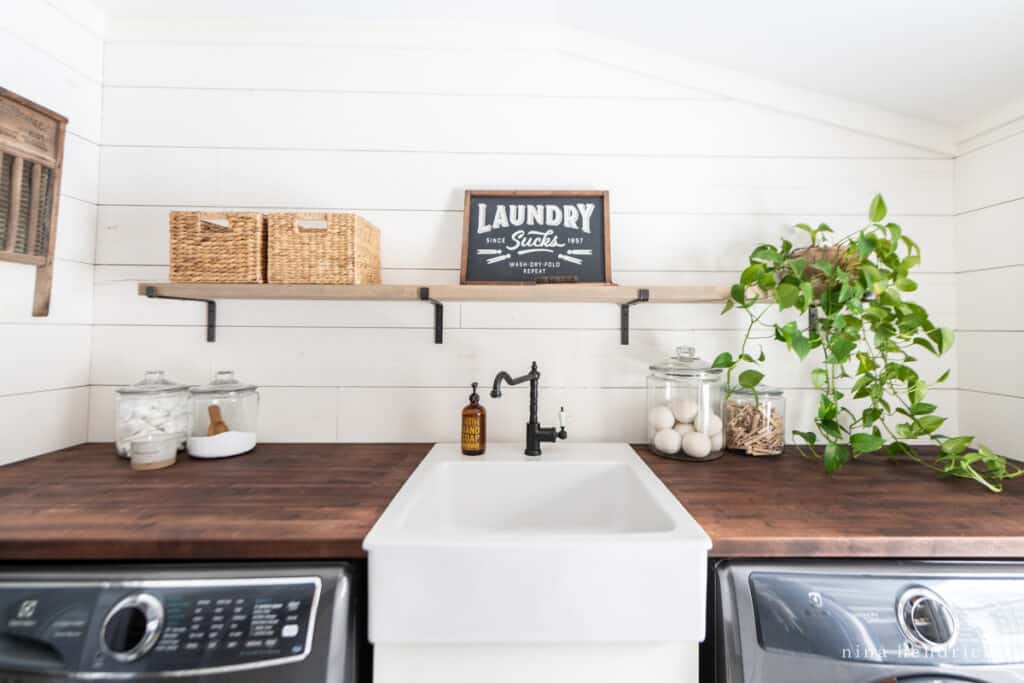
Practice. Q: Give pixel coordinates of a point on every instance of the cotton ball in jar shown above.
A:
(685, 410)
(713, 426)
(668, 441)
(661, 418)
(697, 445)
(684, 428)
(716, 442)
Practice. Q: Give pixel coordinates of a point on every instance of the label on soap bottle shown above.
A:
(471, 440)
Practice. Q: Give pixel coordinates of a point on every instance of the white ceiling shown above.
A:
(946, 61)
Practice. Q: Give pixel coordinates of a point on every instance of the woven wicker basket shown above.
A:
(218, 247)
(346, 251)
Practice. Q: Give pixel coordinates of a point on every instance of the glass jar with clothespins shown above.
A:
(225, 417)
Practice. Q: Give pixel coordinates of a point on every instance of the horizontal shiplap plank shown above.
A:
(286, 414)
(402, 180)
(76, 230)
(43, 357)
(992, 419)
(991, 299)
(594, 414)
(356, 357)
(138, 235)
(988, 362)
(80, 177)
(426, 30)
(470, 123)
(991, 175)
(71, 301)
(56, 33)
(41, 422)
(53, 84)
(992, 237)
(433, 67)
(413, 414)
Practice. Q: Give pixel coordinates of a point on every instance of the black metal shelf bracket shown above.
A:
(642, 296)
(211, 310)
(438, 314)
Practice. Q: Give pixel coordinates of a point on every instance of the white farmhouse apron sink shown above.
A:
(506, 553)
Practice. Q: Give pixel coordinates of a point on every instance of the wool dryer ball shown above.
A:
(668, 441)
(685, 410)
(661, 418)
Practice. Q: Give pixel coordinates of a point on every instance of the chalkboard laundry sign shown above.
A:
(535, 237)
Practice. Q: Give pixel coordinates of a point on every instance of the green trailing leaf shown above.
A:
(786, 296)
(831, 429)
(905, 284)
(749, 379)
(810, 438)
(866, 443)
(836, 455)
(922, 408)
(798, 266)
(766, 254)
(739, 294)
(956, 445)
(878, 209)
(752, 274)
(819, 377)
(930, 423)
(723, 360)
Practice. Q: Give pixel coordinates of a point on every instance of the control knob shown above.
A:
(926, 620)
(132, 627)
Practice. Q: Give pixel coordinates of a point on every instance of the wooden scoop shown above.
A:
(217, 423)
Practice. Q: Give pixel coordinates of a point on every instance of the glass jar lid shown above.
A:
(762, 390)
(224, 382)
(153, 382)
(686, 364)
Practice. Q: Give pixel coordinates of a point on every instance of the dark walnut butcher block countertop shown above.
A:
(316, 501)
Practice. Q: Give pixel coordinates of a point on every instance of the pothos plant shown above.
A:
(872, 399)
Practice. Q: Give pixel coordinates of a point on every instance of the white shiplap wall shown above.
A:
(52, 53)
(395, 122)
(990, 261)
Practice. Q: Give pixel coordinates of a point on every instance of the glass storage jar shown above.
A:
(149, 410)
(684, 407)
(225, 417)
(755, 420)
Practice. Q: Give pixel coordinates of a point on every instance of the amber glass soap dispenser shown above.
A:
(474, 426)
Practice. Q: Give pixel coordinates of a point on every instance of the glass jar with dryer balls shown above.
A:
(151, 410)
(684, 407)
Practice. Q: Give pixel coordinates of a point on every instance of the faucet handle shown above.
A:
(562, 434)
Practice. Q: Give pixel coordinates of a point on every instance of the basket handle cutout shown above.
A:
(312, 222)
(214, 225)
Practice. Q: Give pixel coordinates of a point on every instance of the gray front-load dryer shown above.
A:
(868, 622)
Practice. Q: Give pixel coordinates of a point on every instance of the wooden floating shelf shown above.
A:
(596, 294)
(621, 295)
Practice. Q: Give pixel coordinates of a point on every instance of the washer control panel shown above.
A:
(160, 627)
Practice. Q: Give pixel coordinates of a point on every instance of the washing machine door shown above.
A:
(928, 679)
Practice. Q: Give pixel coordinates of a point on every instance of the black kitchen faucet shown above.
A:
(535, 434)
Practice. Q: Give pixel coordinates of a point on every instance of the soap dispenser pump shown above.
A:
(474, 426)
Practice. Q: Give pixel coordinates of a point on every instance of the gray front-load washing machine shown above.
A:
(867, 622)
